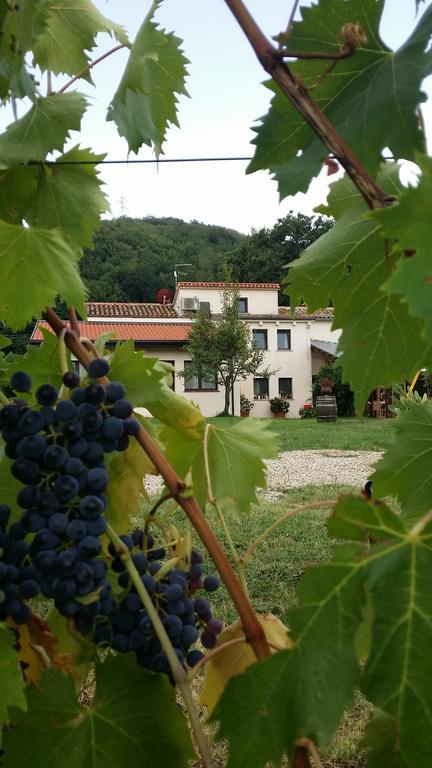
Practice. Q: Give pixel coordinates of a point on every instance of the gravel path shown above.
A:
(293, 469)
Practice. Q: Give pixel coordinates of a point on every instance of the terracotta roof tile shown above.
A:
(119, 309)
(253, 286)
(146, 332)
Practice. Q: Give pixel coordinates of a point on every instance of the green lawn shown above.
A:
(344, 434)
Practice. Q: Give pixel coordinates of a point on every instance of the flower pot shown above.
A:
(279, 414)
(244, 413)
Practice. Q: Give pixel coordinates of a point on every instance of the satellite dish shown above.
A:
(164, 296)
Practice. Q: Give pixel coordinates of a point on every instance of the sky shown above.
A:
(227, 97)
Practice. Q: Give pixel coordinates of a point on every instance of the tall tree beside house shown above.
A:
(262, 257)
(224, 348)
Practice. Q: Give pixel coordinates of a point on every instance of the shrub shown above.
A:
(245, 403)
(279, 405)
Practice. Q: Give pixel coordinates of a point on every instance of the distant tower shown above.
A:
(123, 206)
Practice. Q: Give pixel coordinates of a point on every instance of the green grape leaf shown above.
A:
(235, 458)
(405, 469)
(133, 720)
(37, 266)
(358, 92)
(82, 653)
(18, 187)
(69, 197)
(41, 362)
(145, 102)
(71, 30)
(412, 277)
(379, 743)
(381, 342)
(11, 679)
(399, 666)
(141, 375)
(126, 486)
(44, 128)
(20, 25)
(303, 692)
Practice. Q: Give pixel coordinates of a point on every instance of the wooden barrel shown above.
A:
(326, 408)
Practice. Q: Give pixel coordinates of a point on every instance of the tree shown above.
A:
(264, 255)
(225, 347)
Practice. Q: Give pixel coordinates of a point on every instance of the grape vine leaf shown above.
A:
(145, 102)
(381, 341)
(379, 742)
(18, 187)
(20, 24)
(141, 375)
(71, 31)
(235, 659)
(405, 470)
(12, 683)
(126, 486)
(235, 459)
(37, 266)
(70, 198)
(306, 689)
(412, 278)
(41, 362)
(303, 691)
(42, 129)
(358, 92)
(38, 649)
(133, 720)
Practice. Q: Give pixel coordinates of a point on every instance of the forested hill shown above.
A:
(132, 258)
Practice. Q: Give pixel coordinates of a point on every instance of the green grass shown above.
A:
(343, 434)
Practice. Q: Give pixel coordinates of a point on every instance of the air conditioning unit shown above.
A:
(190, 304)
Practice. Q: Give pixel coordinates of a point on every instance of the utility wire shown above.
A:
(140, 162)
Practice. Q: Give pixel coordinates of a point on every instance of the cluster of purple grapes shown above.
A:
(57, 450)
(173, 593)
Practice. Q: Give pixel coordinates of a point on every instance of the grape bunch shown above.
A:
(57, 449)
(173, 594)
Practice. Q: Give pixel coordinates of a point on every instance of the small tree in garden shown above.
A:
(224, 348)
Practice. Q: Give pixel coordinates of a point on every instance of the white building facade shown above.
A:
(295, 345)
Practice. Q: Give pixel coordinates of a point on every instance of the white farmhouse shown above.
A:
(295, 344)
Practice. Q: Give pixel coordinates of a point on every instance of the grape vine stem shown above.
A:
(251, 626)
(297, 93)
(90, 66)
(179, 674)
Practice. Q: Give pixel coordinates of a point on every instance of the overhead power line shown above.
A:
(141, 162)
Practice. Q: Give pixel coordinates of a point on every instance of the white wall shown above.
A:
(260, 301)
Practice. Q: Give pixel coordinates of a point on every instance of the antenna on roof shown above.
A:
(177, 273)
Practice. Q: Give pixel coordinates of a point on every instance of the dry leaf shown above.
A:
(236, 658)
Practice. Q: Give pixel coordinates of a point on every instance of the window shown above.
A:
(171, 362)
(193, 382)
(285, 388)
(261, 389)
(284, 339)
(260, 339)
(243, 305)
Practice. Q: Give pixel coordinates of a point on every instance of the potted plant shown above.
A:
(308, 410)
(246, 405)
(279, 406)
